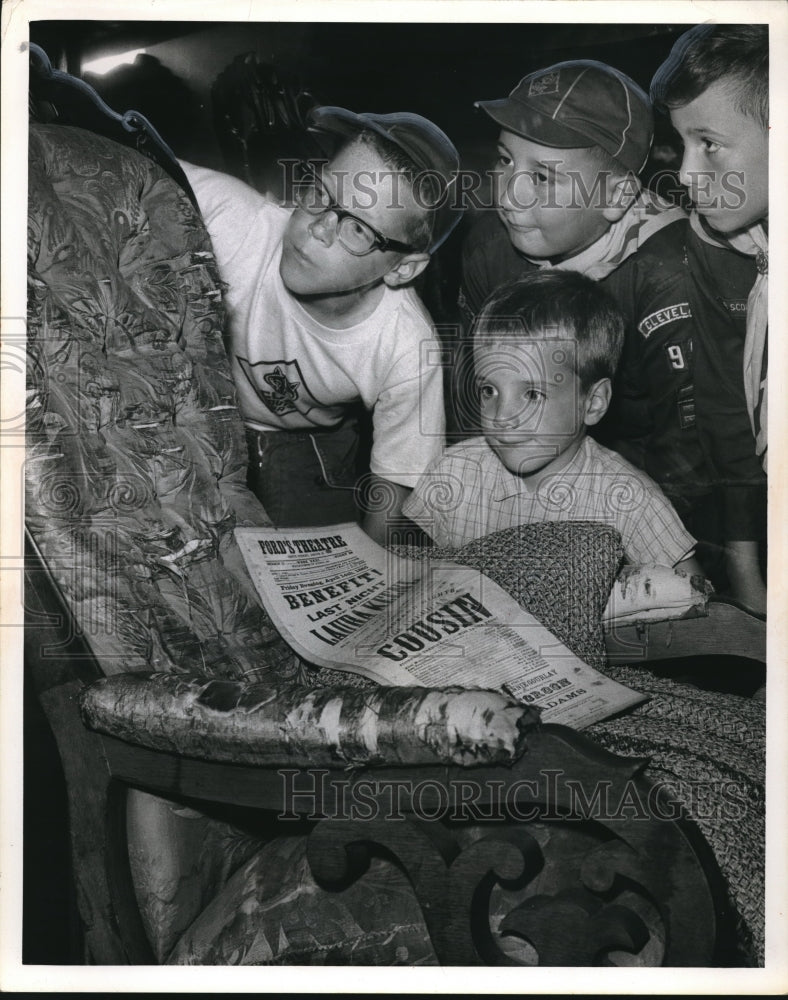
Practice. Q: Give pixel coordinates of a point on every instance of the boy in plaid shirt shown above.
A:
(545, 350)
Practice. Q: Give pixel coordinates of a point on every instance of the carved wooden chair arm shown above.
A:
(632, 883)
(725, 629)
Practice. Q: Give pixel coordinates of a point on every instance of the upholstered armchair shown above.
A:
(229, 804)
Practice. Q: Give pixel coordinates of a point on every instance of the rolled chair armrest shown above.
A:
(258, 724)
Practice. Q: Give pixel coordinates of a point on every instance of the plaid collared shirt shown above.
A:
(468, 493)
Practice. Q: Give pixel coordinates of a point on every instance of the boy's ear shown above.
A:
(406, 270)
(623, 191)
(597, 401)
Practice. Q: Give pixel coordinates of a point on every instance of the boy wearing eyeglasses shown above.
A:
(323, 317)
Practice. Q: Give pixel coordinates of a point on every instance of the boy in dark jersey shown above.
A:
(715, 86)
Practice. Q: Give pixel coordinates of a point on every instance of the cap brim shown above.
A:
(338, 121)
(419, 138)
(530, 124)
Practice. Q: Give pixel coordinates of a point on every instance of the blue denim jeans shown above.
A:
(305, 478)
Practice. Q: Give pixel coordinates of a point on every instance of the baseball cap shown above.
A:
(421, 140)
(577, 104)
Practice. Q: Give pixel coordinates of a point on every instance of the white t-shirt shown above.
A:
(294, 373)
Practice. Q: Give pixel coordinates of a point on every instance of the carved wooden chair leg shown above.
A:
(580, 861)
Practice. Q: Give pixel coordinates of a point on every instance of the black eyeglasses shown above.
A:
(355, 235)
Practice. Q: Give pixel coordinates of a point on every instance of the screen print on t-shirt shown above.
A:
(282, 389)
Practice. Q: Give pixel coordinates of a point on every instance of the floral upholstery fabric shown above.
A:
(272, 912)
(136, 457)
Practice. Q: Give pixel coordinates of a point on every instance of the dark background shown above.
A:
(437, 70)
